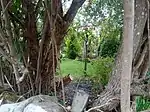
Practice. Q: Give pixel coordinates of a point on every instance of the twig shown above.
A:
(9, 83)
(23, 95)
(63, 107)
(97, 107)
(62, 85)
(32, 87)
(26, 65)
(6, 7)
(100, 106)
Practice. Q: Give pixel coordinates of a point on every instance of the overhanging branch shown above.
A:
(71, 13)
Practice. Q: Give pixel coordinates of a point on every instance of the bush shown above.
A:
(142, 103)
(109, 47)
(72, 45)
(72, 49)
(110, 39)
(102, 69)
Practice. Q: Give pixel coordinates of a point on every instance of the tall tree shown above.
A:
(109, 99)
(41, 26)
(128, 31)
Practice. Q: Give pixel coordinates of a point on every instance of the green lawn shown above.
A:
(75, 68)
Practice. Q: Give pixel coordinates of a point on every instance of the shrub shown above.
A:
(110, 39)
(72, 45)
(142, 103)
(102, 69)
(72, 49)
(109, 47)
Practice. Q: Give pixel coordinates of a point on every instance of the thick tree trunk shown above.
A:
(111, 95)
(128, 31)
(49, 61)
(52, 42)
(55, 28)
(41, 60)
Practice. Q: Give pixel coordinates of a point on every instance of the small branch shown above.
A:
(22, 96)
(6, 7)
(9, 83)
(100, 106)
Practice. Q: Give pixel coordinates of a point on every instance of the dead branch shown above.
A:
(9, 83)
(100, 106)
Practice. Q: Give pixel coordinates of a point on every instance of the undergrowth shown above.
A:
(142, 103)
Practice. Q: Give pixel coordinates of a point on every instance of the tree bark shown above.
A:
(111, 94)
(55, 28)
(41, 59)
(127, 54)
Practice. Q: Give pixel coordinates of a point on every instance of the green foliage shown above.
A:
(109, 47)
(73, 47)
(142, 103)
(110, 39)
(97, 10)
(93, 42)
(102, 69)
(16, 5)
(17, 11)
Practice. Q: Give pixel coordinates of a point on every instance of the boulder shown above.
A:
(39, 103)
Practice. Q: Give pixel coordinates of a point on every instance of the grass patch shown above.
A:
(75, 68)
